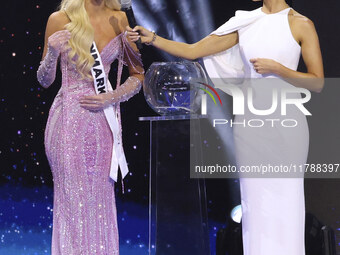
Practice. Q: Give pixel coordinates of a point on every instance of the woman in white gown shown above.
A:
(269, 42)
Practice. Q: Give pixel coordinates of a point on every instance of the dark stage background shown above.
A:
(24, 105)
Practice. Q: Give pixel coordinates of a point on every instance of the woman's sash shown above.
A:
(102, 85)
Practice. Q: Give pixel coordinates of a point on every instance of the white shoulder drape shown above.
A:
(229, 64)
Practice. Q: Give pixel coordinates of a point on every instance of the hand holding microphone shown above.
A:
(141, 34)
(126, 6)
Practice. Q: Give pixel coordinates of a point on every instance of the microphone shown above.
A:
(126, 6)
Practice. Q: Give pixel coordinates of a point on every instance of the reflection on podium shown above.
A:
(178, 222)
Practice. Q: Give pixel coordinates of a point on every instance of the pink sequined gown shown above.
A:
(78, 145)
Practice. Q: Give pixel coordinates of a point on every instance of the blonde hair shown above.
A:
(82, 33)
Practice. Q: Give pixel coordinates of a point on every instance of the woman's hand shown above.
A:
(145, 35)
(58, 40)
(97, 102)
(265, 66)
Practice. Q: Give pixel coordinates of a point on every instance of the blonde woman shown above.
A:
(78, 139)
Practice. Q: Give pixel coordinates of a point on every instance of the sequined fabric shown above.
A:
(47, 69)
(78, 146)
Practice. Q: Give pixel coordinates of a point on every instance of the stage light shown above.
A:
(144, 18)
(191, 22)
(236, 214)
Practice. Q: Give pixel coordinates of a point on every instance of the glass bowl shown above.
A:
(173, 88)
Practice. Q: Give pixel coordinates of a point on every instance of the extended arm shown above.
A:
(209, 45)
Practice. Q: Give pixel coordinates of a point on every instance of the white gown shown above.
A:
(273, 210)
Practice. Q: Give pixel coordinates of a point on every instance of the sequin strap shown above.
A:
(130, 56)
(123, 188)
(102, 85)
(132, 85)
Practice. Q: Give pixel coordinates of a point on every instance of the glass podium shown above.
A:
(178, 221)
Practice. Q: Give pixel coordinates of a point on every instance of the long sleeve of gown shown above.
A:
(48, 66)
(47, 70)
(133, 84)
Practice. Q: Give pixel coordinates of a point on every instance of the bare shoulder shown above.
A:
(57, 21)
(123, 21)
(118, 21)
(301, 22)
